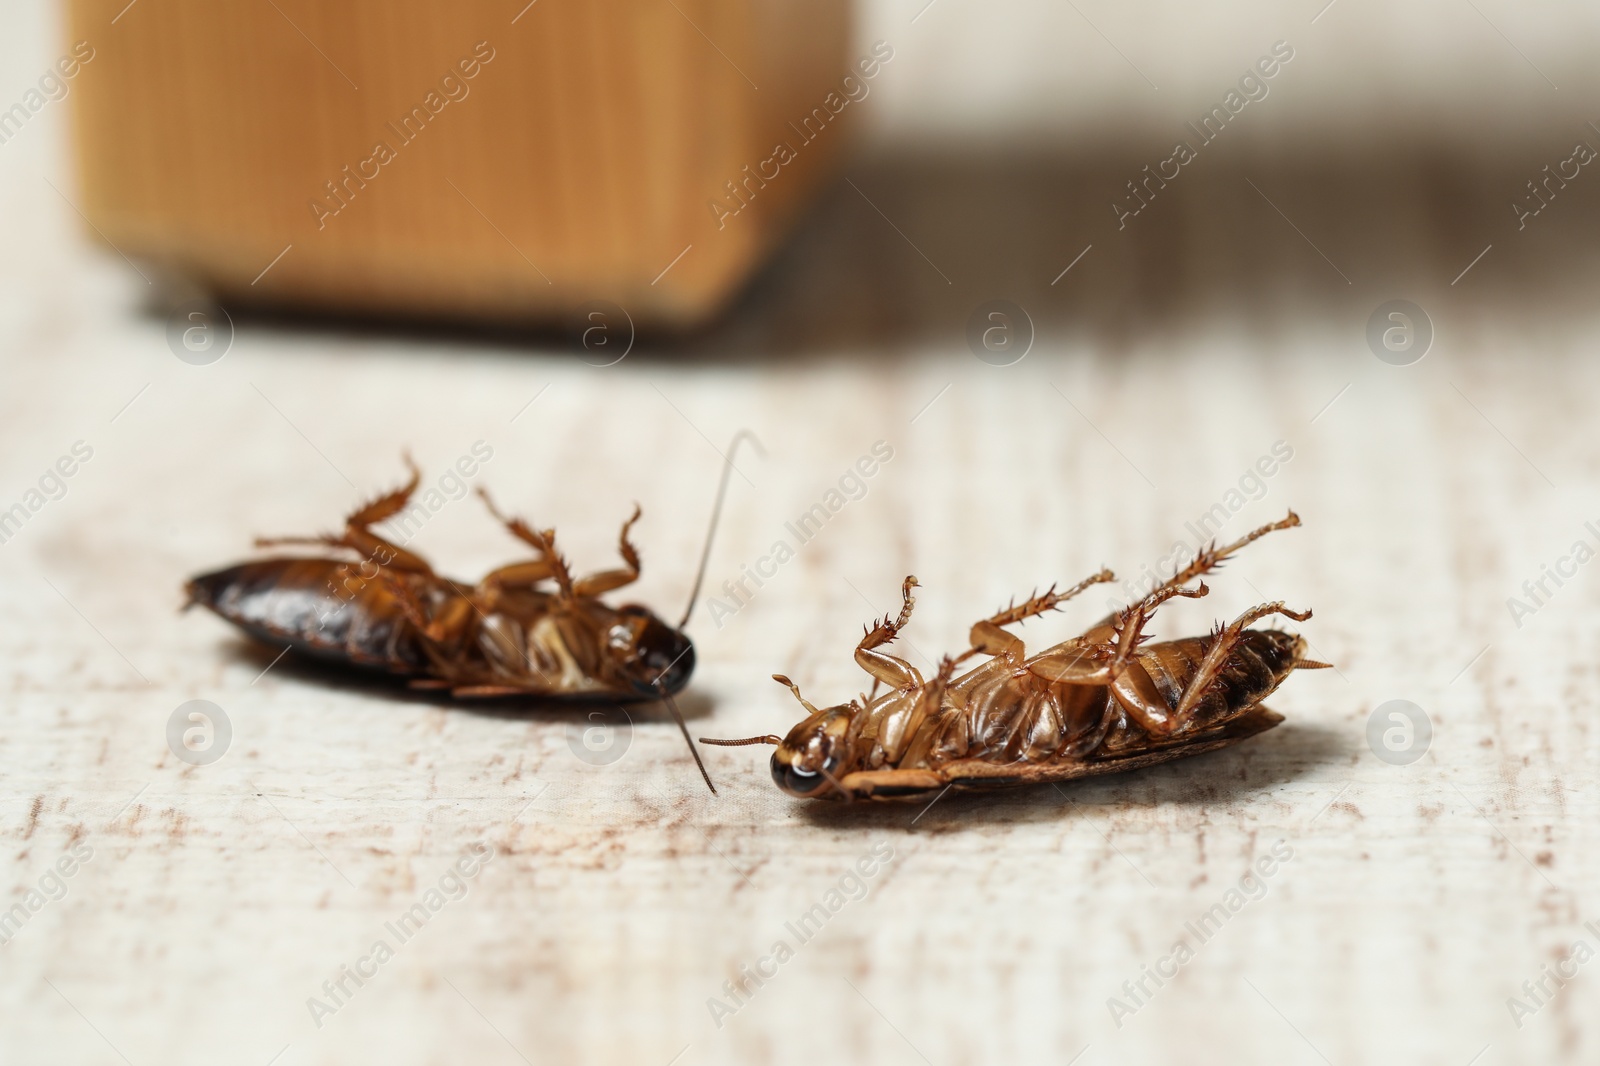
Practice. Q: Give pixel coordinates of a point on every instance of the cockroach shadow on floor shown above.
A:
(1221, 779)
(267, 661)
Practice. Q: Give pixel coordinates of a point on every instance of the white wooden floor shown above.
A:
(1406, 904)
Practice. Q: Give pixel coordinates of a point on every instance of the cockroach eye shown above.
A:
(800, 782)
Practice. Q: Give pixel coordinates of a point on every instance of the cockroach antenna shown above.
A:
(716, 514)
(768, 739)
(677, 716)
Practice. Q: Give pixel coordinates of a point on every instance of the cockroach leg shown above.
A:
(844, 793)
(1129, 626)
(478, 692)
(516, 526)
(908, 603)
(928, 703)
(359, 538)
(443, 632)
(1072, 664)
(891, 783)
(988, 638)
(365, 543)
(792, 687)
(1210, 557)
(892, 671)
(1050, 601)
(1217, 653)
(515, 576)
(1117, 642)
(542, 541)
(1137, 695)
(607, 580)
(390, 503)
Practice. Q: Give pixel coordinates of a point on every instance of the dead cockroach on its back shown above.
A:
(528, 629)
(1100, 703)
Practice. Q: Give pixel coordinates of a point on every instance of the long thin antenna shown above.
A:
(768, 739)
(716, 514)
(677, 716)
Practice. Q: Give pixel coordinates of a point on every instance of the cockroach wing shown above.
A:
(318, 607)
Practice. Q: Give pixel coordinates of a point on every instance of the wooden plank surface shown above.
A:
(1416, 899)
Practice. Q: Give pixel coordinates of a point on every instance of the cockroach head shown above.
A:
(815, 754)
(656, 657)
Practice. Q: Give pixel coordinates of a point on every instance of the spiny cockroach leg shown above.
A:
(359, 538)
(886, 630)
(1129, 626)
(988, 638)
(607, 580)
(1217, 654)
(390, 503)
(1131, 689)
(1210, 557)
(541, 540)
(1050, 601)
(1102, 654)
(892, 671)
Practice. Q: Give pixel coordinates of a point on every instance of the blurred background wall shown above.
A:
(1384, 160)
(1379, 162)
(1476, 76)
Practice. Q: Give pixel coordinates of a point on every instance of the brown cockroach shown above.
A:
(528, 629)
(1100, 703)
